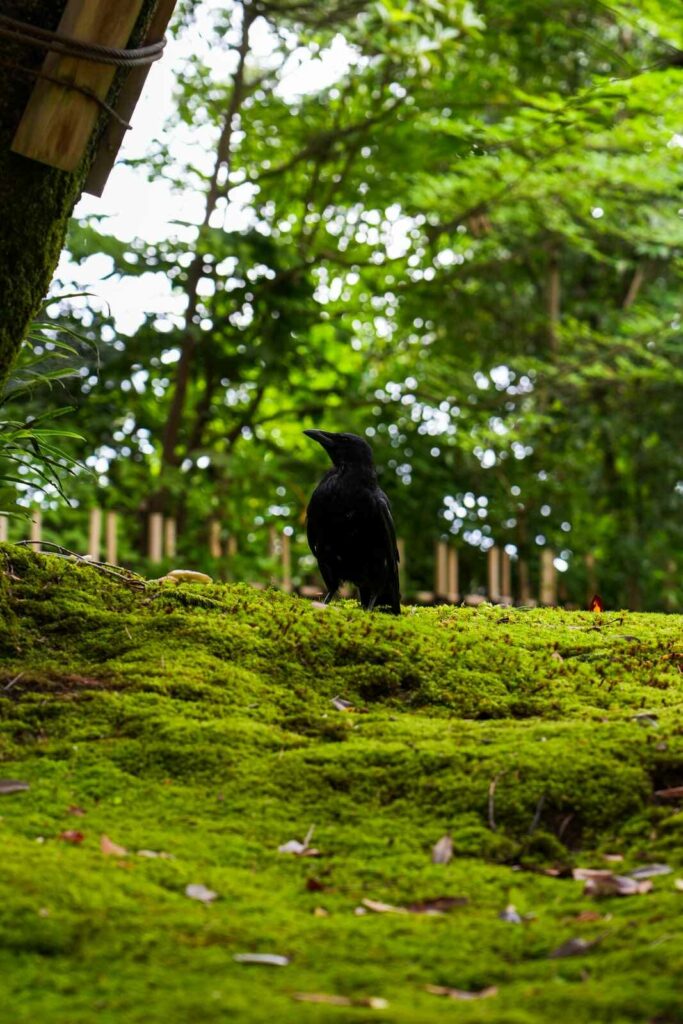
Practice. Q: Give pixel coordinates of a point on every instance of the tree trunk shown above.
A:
(36, 200)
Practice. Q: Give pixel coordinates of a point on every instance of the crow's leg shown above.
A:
(331, 583)
(368, 598)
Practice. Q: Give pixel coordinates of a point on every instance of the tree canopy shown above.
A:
(467, 248)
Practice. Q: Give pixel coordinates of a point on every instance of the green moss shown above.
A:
(201, 723)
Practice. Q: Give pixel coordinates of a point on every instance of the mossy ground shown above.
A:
(199, 722)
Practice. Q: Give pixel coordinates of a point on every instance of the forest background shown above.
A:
(453, 227)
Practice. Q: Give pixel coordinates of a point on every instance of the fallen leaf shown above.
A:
(510, 914)
(459, 993)
(270, 959)
(672, 793)
(651, 871)
(201, 893)
(298, 849)
(556, 656)
(8, 786)
(155, 853)
(185, 576)
(77, 812)
(112, 849)
(613, 858)
(678, 884)
(442, 851)
(588, 915)
(605, 883)
(71, 835)
(437, 906)
(315, 885)
(320, 912)
(597, 604)
(383, 908)
(373, 1002)
(341, 705)
(321, 997)
(647, 718)
(574, 947)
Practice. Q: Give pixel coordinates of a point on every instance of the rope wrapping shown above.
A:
(67, 46)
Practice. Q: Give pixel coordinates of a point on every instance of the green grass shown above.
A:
(198, 721)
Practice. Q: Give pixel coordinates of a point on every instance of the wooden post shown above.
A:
(286, 564)
(125, 106)
(524, 582)
(155, 538)
(110, 537)
(401, 548)
(548, 594)
(170, 535)
(215, 538)
(94, 534)
(57, 123)
(4, 529)
(37, 528)
(505, 577)
(494, 574)
(453, 589)
(232, 545)
(273, 541)
(441, 570)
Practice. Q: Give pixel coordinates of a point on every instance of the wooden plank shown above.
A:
(493, 565)
(36, 528)
(58, 122)
(441, 569)
(4, 529)
(505, 578)
(453, 586)
(126, 102)
(548, 594)
(170, 537)
(286, 564)
(155, 537)
(94, 534)
(111, 537)
(215, 538)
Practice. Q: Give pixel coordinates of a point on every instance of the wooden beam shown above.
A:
(493, 559)
(131, 90)
(110, 537)
(286, 563)
(155, 537)
(548, 593)
(94, 534)
(441, 570)
(58, 121)
(453, 588)
(170, 537)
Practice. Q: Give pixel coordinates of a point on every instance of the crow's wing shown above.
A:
(392, 591)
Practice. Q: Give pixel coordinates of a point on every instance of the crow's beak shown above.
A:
(322, 437)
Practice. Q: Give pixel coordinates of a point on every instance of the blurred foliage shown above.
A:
(469, 248)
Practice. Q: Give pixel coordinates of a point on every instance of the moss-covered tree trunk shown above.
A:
(36, 201)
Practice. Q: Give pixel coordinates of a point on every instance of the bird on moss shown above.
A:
(349, 525)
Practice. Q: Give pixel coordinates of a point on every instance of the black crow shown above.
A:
(349, 525)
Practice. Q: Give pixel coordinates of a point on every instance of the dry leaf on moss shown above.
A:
(201, 893)
(8, 786)
(112, 849)
(460, 993)
(269, 959)
(442, 851)
(71, 835)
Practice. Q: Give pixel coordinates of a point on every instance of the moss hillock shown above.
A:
(200, 722)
